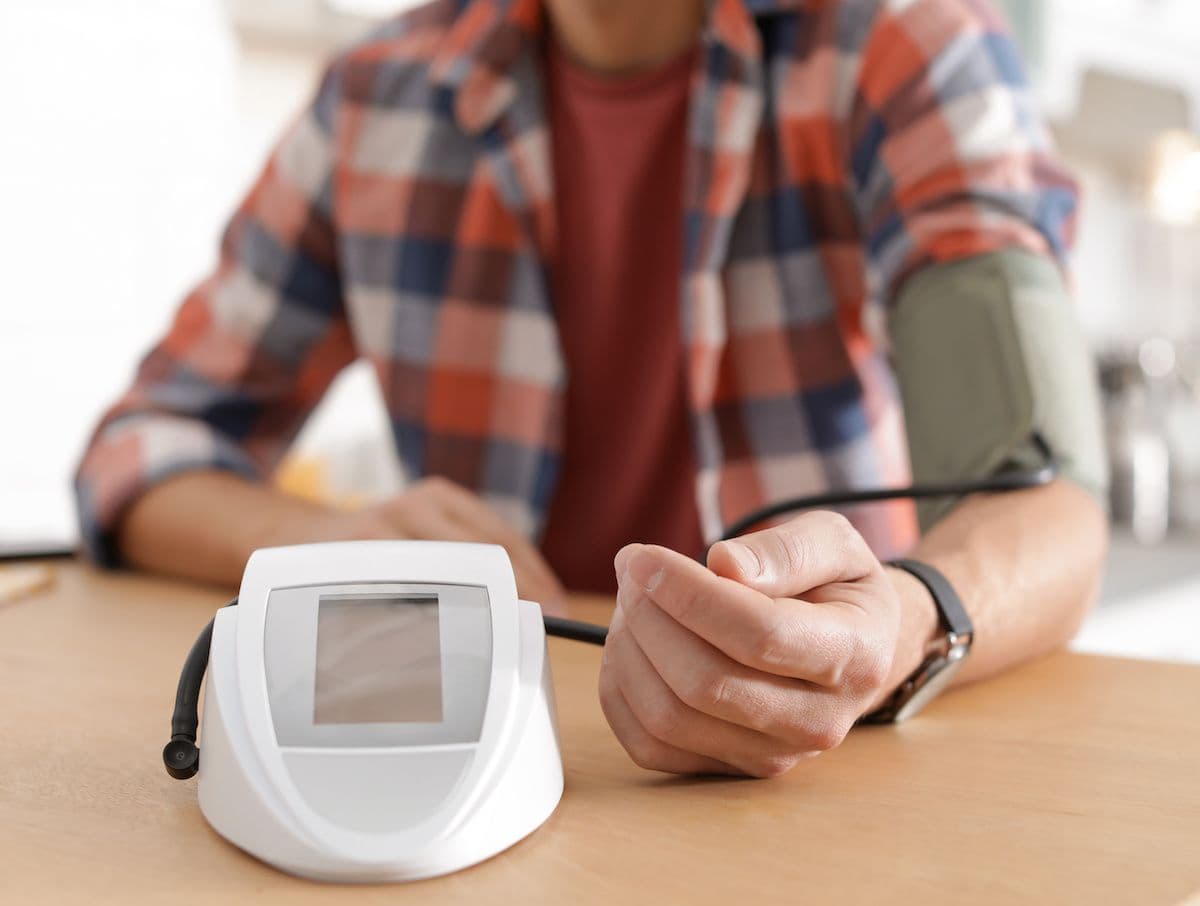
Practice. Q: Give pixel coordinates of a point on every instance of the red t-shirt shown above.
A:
(628, 471)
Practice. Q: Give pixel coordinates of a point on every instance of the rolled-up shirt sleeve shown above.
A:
(250, 351)
(949, 158)
(968, 221)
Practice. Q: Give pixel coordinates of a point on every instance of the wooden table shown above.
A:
(1073, 780)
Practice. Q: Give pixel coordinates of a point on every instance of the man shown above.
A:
(627, 272)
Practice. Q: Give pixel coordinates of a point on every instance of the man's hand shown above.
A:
(204, 524)
(768, 656)
(440, 510)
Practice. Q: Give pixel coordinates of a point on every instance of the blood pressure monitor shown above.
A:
(382, 710)
(377, 710)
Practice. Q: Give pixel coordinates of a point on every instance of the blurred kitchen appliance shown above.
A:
(1152, 409)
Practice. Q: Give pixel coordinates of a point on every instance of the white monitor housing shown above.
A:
(378, 711)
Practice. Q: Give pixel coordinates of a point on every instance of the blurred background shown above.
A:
(132, 127)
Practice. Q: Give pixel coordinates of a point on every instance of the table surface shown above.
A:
(1073, 780)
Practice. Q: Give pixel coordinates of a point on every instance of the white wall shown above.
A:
(131, 128)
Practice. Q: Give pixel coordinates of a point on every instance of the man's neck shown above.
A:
(620, 36)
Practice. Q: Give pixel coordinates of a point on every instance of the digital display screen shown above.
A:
(378, 660)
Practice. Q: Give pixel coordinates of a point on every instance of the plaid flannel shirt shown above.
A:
(834, 146)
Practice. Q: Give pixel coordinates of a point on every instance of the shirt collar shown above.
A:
(477, 57)
(476, 61)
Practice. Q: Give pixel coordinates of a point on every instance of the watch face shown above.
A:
(931, 682)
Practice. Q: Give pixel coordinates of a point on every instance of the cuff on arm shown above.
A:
(988, 351)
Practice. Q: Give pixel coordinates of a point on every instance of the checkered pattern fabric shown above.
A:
(834, 146)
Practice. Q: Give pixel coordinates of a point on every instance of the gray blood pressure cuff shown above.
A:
(988, 351)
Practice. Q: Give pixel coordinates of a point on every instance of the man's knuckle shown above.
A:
(872, 667)
(792, 728)
(772, 764)
(706, 691)
(662, 717)
(862, 662)
(773, 647)
(638, 752)
(837, 525)
(773, 713)
(852, 545)
(831, 673)
(644, 752)
(826, 734)
(844, 653)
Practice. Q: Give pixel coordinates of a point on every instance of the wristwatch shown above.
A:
(940, 666)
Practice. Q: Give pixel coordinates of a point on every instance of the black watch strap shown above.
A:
(949, 604)
(938, 668)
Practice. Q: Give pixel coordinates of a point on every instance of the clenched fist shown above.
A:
(766, 657)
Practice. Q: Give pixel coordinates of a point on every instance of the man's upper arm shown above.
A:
(948, 158)
(967, 220)
(987, 352)
(250, 351)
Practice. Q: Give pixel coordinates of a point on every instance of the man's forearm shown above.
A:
(1027, 566)
(204, 525)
